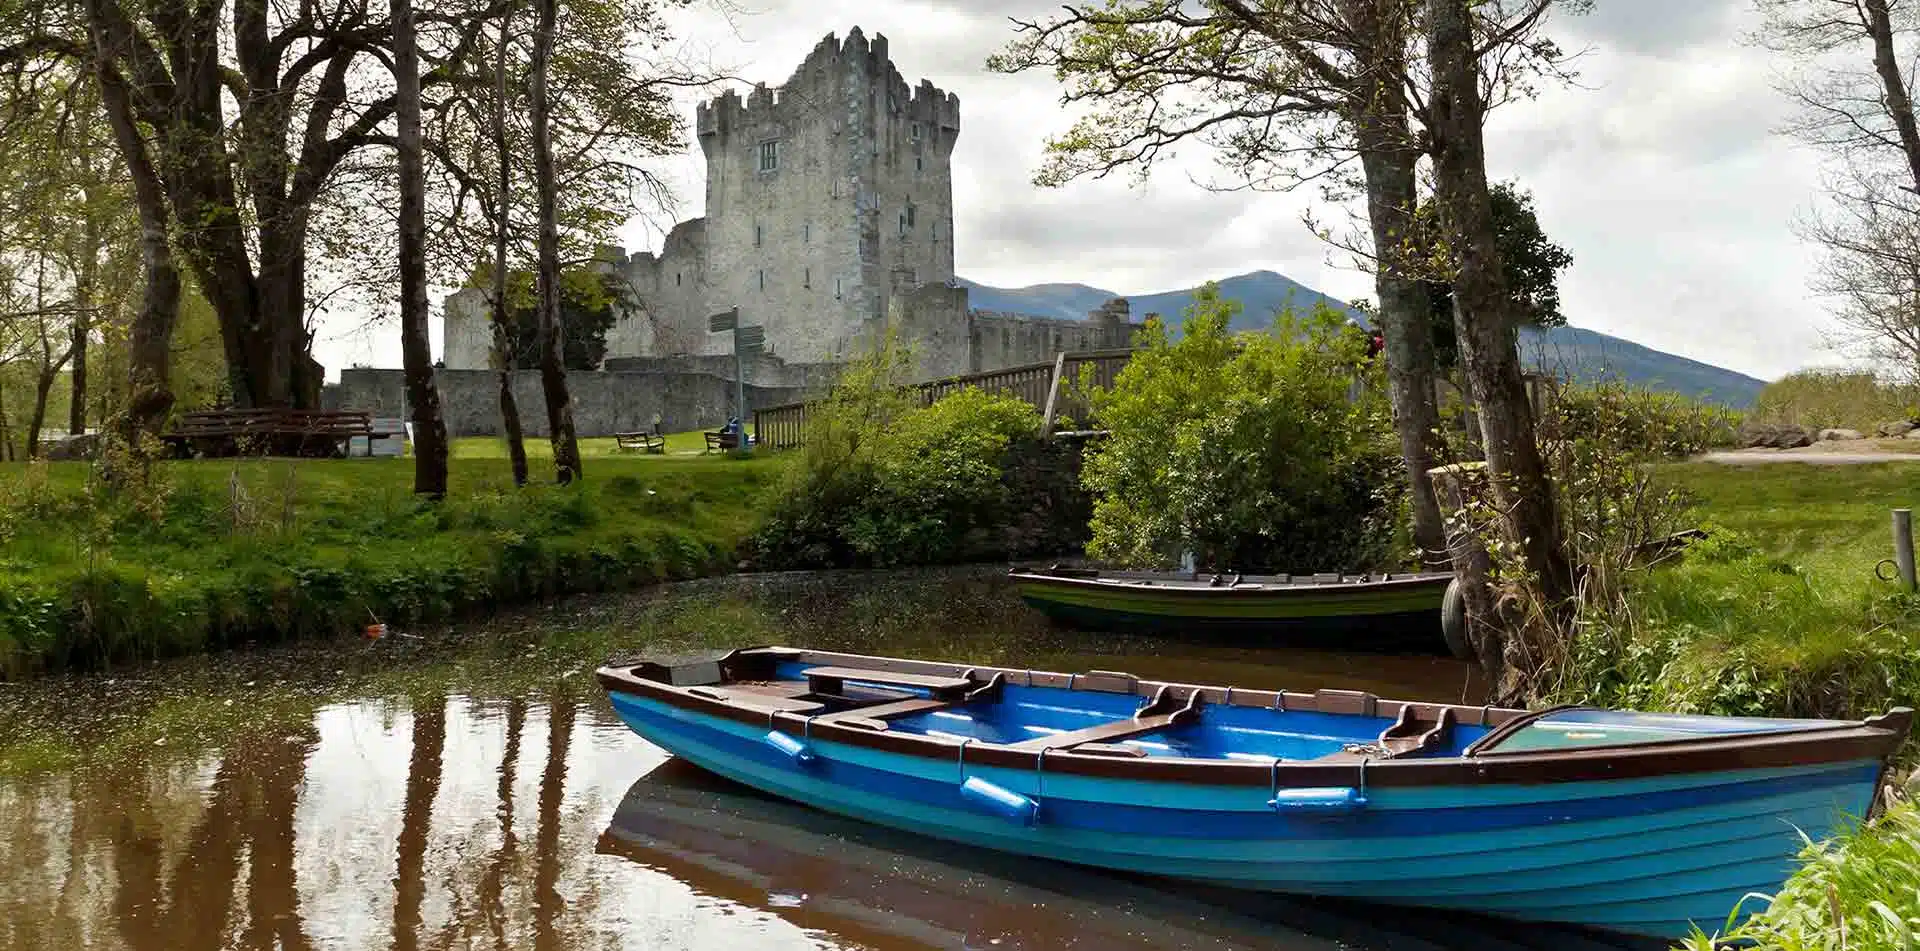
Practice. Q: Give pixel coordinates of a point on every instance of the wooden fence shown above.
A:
(1058, 389)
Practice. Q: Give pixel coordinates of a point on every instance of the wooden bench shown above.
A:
(642, 442)
(832, 680)
(286, 432)
(722, 442)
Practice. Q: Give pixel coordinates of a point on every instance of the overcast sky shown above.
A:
(1661, 173)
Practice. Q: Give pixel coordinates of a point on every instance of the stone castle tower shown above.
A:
(826, 198)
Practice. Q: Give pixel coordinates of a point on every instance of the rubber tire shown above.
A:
(1453, 621)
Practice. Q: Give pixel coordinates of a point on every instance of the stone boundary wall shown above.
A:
(604, 403)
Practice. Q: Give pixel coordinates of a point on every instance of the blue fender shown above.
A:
(793, 749)
(1318, 799)
(999, 800)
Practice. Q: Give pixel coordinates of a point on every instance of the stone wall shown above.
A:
(603, 403)
(948, 339)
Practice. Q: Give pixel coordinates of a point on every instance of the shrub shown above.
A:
(1254, 452)
(880, 482)
(1617, 418)
(1822, 399)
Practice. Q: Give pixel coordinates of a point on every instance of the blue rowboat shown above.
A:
(1640, 823)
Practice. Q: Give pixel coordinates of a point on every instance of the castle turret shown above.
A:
(826, 196)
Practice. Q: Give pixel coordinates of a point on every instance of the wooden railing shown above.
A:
(1058, 388)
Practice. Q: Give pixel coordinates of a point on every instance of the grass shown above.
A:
(224, 552)
(1860, 893)
(1778, 615)
(679, 447)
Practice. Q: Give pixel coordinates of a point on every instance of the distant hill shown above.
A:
(1573, 352)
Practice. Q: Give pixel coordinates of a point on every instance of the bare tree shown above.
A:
(503, 335)
(1848, 63)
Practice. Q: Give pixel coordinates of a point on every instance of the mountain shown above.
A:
(1573, 352)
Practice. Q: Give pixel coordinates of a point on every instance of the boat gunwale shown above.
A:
(1199, 588)
(1831, 742)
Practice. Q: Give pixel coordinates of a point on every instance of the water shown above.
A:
(477, 793)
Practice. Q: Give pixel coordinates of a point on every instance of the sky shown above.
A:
(1660, 171)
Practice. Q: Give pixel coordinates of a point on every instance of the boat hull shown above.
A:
(1652, 856)
(1395, 615)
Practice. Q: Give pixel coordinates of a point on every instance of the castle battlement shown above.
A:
(815, 82)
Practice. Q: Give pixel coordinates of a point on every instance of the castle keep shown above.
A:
(829, 216)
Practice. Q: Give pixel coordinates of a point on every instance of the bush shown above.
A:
(1255, 452)
(1644, 424)
(1823, 399)
(880, 482)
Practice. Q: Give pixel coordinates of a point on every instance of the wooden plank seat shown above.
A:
(758, 701)
(641, 442)
(1408, 736)
(897, 708)
(832, 680)
(1156, 715)
(722, 442)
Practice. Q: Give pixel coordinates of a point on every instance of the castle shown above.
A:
(829, 215)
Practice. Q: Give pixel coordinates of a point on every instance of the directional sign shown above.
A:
(725, 320)
(750, 339)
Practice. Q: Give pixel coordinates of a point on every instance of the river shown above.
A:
(468, 788)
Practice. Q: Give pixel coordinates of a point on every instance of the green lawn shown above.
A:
(1778, 613)
(218, 552)
(679, 446)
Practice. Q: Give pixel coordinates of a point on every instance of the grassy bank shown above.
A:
(1779, 614)
(224, 552)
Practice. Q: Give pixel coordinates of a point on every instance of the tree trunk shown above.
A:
(416, 352)
(85, 292)
(424, 768)
(1485, 316)
(503, 336)
(1893, 85)
(1389, 155)
(150, 338)
(42, 389)
(553, 372)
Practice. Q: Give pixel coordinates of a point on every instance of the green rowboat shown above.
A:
(1391, 609)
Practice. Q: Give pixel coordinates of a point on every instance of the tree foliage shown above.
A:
(1253, 452)
(1532, 261)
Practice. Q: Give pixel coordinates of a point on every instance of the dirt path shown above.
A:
(1751, 457)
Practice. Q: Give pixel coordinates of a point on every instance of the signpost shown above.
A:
(747, 342)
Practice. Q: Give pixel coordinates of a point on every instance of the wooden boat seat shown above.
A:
(898, 708)
(831, 680)
(757, 700)
(1406, 737)
(1156, 715)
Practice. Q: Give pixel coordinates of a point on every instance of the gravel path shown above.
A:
(1751, 457)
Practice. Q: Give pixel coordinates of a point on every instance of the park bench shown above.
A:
(267, 432)
(643, 442)
(722, 442)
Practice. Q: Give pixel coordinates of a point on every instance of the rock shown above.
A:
(69, 448)
(1773, 436)
(1912, 434)
(1899, 427)
(1828, 435)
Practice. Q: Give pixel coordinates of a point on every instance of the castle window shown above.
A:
(806, 232)
(769, 155)
(910, 216)
(763, 280)
(916, 132)
(806, 278)
(934, 230)
(676, 278)
(836, 288)
(918, 164)
(903, 222)
(757, 235)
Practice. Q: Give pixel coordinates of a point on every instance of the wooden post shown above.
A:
(1053, 395)
(1903, 547)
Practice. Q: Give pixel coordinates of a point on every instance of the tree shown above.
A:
(1532, 263)
(1286, 93)
(1847, 72)
(553, 373)
(502, 223)
(429, 427)
(1246, 450)
(1487, 314)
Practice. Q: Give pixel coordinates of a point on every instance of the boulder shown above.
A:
(1828, 435)
(1773, 436)
(1912, 434)
(69, 448)
(1899, 427)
